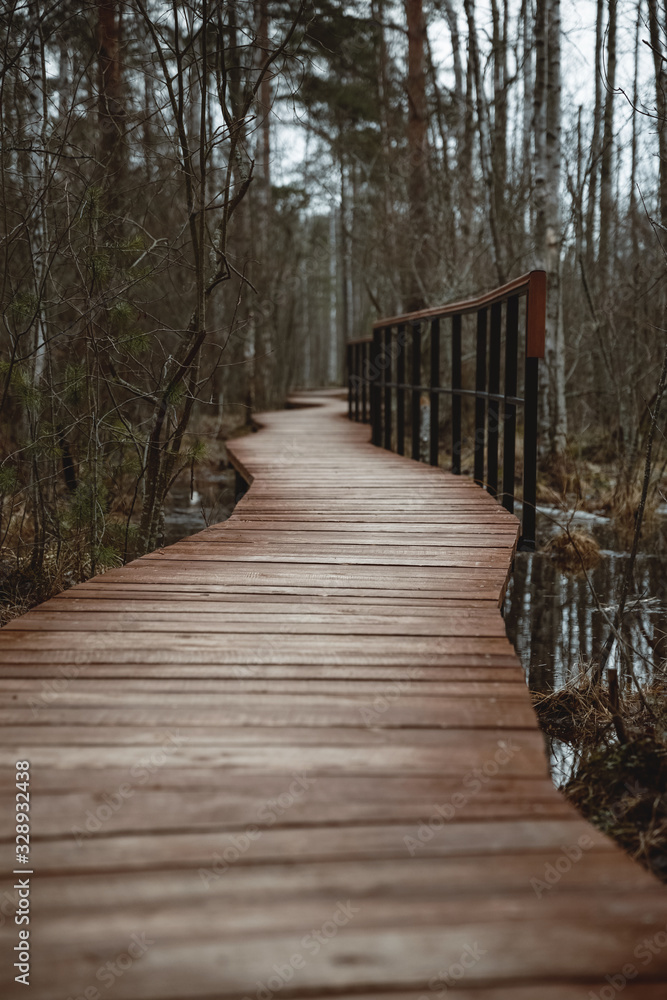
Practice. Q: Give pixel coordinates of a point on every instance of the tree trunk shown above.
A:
(418, 154)
(527, 44)
(605, 257)
(466, 182)
(484, 143)
(265, 366)
(554, 327)
(548, 234)
(499, 136)
(595, 138)
(110, 99)
(660, 68)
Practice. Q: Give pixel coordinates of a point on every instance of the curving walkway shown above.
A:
(294, 756)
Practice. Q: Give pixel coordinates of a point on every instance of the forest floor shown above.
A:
(619, 782)
(617, 743)
(205, 486)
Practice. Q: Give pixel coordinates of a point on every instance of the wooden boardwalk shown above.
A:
(294, 756)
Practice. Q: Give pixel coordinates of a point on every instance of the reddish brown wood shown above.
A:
(342, 628)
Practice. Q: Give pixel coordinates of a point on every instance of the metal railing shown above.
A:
(483, 367)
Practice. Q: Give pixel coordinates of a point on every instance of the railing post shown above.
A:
(350, 382)
(375, 390)
(387, 387)
(480, 403)
(509, 427)
(434, 432)
(365, 360)
(416, 383)
(529, 455)
(356, 354)
(456, 399)
(400, 392)
(494, 405)
(536, 307)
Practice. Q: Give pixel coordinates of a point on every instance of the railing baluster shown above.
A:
(400, 392)
(375, 390)
(434, 436)
(529, 455)
(357, 372)
(350, 379)
(456, 399)
(365, 350)
(372, 377)
(480, 402)
(509, 423)
(494, 404)
(536, 302)
(387, 390)
(416, 383)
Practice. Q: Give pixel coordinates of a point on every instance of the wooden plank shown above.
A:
(205, 803)
(327, 669)
(278, 710)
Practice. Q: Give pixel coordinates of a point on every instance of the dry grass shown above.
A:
(21, 589)
(578, 713)
(623, 790)
(621, 786)
(573, 551)
(623, 506)
(548, 495)
(560, 473)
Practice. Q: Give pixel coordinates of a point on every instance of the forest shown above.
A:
(203, 202)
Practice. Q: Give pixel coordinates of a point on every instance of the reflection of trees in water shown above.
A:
(213, 501)
(554, 623)
(556, 627)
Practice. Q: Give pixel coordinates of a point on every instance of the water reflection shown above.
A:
(553, 619)
(556, 621)
(191, 510)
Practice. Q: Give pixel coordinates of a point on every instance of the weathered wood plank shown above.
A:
(321, 690)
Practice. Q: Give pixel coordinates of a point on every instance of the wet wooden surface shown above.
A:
(294, 755)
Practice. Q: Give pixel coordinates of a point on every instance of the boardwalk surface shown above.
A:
(294, 756)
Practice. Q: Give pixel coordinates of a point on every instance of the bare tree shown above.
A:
(548, 227)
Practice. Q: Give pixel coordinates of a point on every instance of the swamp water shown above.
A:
(190, 510)
(556, 620)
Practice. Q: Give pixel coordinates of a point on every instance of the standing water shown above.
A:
(556, 620)
(190, 509)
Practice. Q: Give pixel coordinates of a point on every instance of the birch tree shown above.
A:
(548, 226)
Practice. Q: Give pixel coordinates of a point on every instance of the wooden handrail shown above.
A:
(533, 284)
(378, 394)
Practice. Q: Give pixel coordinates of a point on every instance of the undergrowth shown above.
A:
(619, 745)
